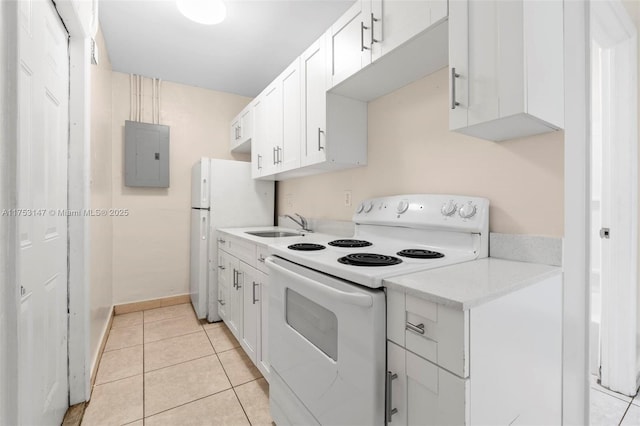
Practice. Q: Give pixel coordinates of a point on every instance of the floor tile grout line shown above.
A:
(169, 318)
(171, 337)
(190, 402)
(624, 414)
(179, 363)
(118, 379)
(234, 390)
(229, 379)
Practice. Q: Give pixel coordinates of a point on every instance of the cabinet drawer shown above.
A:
(438, 333)
(243, 250)
(261, 254)
(223, 241)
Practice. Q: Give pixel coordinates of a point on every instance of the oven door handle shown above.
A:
(357, 299)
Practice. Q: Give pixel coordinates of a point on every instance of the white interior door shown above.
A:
(614, 138)
(43, 120)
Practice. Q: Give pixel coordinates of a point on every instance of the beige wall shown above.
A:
(411, 150)
(151, 245)
(101, 231)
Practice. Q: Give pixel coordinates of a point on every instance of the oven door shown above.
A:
(326, 347)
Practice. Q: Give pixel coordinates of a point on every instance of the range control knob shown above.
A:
(402, 206)
(467, 211)
(360, 208)
(368, 207)
(448, 208)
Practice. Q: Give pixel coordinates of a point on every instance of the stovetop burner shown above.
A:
(420, 254)
(306, 247)
(369, 259)
(350, 243)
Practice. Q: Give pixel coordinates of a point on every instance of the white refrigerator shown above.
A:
(223, 195)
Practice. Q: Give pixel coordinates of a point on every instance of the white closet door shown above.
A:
(43, 89)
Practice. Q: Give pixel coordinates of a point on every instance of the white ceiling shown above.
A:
(241, 55)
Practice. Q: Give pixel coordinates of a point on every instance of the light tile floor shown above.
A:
(164, 367)
(611, 408)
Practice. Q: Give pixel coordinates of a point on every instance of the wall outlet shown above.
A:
(347, 198)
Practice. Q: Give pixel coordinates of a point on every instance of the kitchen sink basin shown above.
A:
(273, 234)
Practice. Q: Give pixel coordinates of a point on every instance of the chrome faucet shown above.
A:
(302, 223)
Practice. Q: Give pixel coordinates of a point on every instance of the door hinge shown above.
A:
(605, 233)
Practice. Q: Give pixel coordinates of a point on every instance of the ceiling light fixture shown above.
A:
(206, 12)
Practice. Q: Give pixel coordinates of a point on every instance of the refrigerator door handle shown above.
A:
(205, 192)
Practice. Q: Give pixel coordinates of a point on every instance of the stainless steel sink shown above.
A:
(273, 234)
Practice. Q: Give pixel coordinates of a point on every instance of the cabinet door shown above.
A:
(223, 284)
(235, 134)
(434, 396)
(314, 88)
(263, 335)
(396, 21)
(273, 127)
(235, 298)
(396, 385)
(246, 124)
(484, 60)
(351, 42)
(250, 287)
(259, 138)
(458, 64)
(289, 150)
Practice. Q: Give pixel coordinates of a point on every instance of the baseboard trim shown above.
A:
(143, 305)
(103, 343)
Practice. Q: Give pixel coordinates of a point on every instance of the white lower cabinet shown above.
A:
(250, 311)
(423, 393)
(234, 308)
(243, 297)
(507, 371)
(223, 284)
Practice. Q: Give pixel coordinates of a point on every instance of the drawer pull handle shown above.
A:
(415, 328)
(454, 75)
(254, 293)
(390, 411)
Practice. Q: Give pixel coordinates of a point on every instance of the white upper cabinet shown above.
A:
(289, 147)
(272, 141)
(300, 129)
(258, 146)
(399, 41)
(350, 42)
(242, 130)
(314, 91)
(506, 67)
(393, 22)
(278, 125)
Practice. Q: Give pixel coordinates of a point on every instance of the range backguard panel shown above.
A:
(146, 155)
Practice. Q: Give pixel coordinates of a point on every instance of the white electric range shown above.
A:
(327, 323)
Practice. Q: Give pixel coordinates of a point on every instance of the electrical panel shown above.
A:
(146, 151)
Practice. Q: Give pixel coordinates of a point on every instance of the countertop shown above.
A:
(470, 284)
(266, 241)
